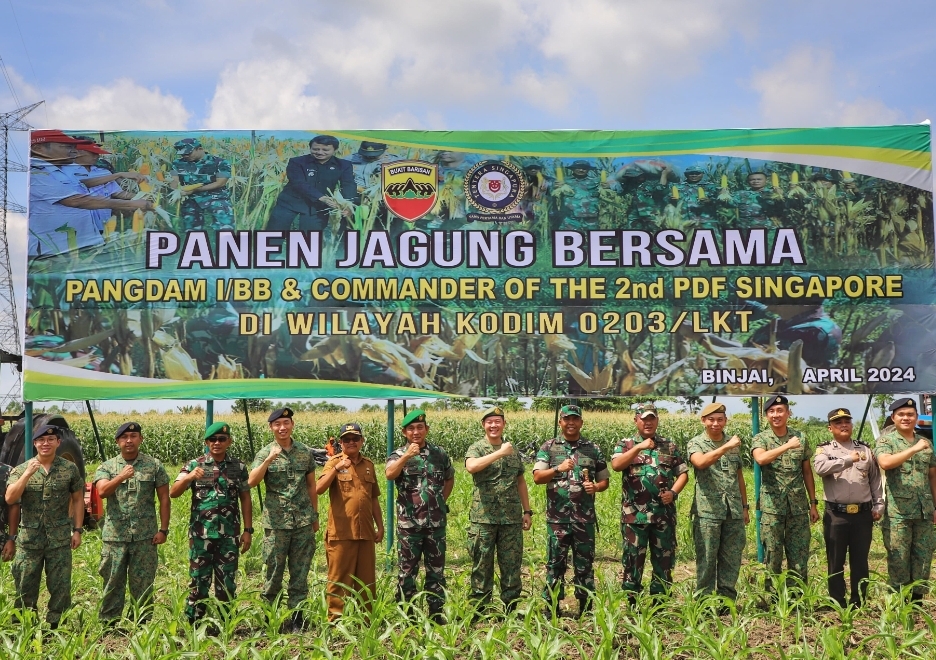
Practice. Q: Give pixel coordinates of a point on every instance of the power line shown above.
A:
(28, 59)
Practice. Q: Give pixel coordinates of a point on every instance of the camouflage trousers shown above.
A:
(293, 548)
(195, 207)
(484, 540)
(132, 563)
(788, 534)
(28, 564)
(209, 558)
(580, 539)
(660, 537)
(719, 546)
(429, 544)
(909, 545)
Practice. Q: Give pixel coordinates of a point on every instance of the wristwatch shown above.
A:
(248, 530)
(528, 513)
(745, 506)
(12, 537)
(80, 530)
(814, 502)
(164, 532)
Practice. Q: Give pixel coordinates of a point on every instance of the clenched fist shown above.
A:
(197, 473)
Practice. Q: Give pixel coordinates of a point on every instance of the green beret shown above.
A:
(496, 411)
(218, 428)
(415, 415)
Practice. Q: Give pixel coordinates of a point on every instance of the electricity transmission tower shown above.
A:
(10, 347)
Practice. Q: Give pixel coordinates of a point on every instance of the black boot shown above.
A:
(437, 616)
(585, 606)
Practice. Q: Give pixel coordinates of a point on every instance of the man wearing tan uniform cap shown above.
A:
(854, 499)
(355, 524)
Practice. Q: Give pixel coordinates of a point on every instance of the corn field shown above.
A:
(682, 627)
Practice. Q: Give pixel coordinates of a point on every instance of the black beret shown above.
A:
(775, 400)
(280, 412)
(47, 429)
(133, 427)
(905, 402)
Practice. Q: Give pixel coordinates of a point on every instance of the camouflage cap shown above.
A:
(187, 146)
(581, 165)
(570, 411)
(644, 410)
(415, 415)
(280, 412)
(349, 429)
(371, 148)
(905, 402)
(840, 413)
(693, 169)
(218, 428)
(128, 427)
(495, 411)
(47, 429)
(712, 408)
(776, 400)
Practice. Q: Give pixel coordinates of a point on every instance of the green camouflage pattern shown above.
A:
(495, 498)
(211, 557)
(653, 470)
(719, 546)
(216, 497)
(419, 501)
(28, 564)
(506, 541)
(127, 564)
(646, 203)
(293, 547)
(578, 199)
(195, 207)
(215, 202)
(579, 538)
(44, 520)
(909, 545)
(660, 537)
(429, 544)
(131, 514)
(717, 495)
(566, 499)
(702, 211)
(755, 208)
(4, 513)
(783, 489)
(908, 490)
(287, 504)
(790, 534)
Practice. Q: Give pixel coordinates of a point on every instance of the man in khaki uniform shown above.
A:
(290, 513)
(129, 483)
(40, 493)
(355, 524)
(719, 507)
(910, 470)
(854, 499)
(500, 513)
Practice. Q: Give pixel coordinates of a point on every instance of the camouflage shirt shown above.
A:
(783, 490)
(755, 206)
(580, 200)
(216, 497)
(694, 205)
(44, 519)
(717, 494)
(419, 501)
(647, 202)
(495, 498)
(4, 515)
(287, 504)
(908, 489)
(566, 499)
(207, 170)
(130, 514)
(652, 471)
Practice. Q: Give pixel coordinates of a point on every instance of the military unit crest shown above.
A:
(410, 188)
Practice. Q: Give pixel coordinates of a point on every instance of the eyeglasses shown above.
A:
(46, 441)
(215, 441)
(351, 439)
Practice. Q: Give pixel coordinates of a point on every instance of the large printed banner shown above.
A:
(218, 265)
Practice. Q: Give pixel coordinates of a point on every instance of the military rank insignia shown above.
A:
(410, 188)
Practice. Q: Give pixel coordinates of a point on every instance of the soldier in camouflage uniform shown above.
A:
(40, 493)
(719, 508)
(217, 483)
(699, 198)
(655, 472)
(757, 204)
(424, 479)
(193, 167)
(500, 513)
(7, 545)
(787, 499)
(129, 483)
(573, 470)
(910, 471)
(647, 199)
(367, 163)
(578, 197)
(290, 514)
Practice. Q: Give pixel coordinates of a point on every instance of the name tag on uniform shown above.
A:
(723, 462)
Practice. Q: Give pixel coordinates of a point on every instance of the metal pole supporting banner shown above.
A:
(389, 517)
(209, 413)
(28, 430)
(251, 444)
(864, 417)
(755, 429)
(97, 436)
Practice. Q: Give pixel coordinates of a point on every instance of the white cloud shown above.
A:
(123, 104)
(808, 88)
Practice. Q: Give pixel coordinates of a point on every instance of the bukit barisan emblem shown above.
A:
(495, 188)
(410, 188)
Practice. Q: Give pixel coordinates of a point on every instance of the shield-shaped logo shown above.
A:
(410, 188)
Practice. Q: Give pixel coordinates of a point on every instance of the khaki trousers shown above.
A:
(350, 563)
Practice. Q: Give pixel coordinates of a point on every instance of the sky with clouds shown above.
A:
(484, 64)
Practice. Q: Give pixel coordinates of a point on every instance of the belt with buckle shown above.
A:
(848, 508)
